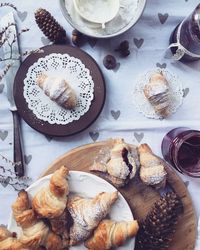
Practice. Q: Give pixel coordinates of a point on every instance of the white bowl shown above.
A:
(113, 28)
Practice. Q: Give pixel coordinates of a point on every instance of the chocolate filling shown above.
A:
(125, 159)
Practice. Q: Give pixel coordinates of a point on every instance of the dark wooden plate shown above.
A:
(76, 126)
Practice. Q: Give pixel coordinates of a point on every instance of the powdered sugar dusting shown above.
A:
(87, 213)
(57, 66)
(175, 93)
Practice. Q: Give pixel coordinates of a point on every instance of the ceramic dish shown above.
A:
(86, 185)
(129, 13)
(104, 12)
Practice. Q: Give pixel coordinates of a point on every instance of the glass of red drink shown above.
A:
(181, 148)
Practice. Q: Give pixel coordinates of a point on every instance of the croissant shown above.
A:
(35, 232)
(121, 166)
(87, 213)
(50, 201)
(111, 234)
(8, 241)
(58, 90)
(157, 93)
(60, 225)
(152, 171)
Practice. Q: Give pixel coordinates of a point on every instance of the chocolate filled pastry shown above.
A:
(157, 93)
(60, 226)
(87, 214)
(121, 166)
(8, 240)
(111, 234)
(152, 170)
(35, 232)
(58, 90)
(50, 201)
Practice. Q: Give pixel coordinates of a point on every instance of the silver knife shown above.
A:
(11, 33)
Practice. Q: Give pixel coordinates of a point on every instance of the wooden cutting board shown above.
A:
(139, 196)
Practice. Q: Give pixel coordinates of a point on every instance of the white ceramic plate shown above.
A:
(86, 185)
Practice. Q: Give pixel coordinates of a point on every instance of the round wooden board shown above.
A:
(139, 196)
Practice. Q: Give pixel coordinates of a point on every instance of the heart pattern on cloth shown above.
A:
(187, 183)
(138, 42)
(163, 17)
(22, 15)
(138, 136)
(45, 41)
(162, 66)
(27, 158)
(186, 92)
(117, 67)
(94, 135)
(5, 181)
(115, 114)
(1, 88)
(92, 41)
(3, 134)
(49, 138)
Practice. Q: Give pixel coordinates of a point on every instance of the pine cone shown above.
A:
(50, 27)
(157, 229)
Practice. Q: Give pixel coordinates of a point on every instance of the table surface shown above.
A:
(148, 40)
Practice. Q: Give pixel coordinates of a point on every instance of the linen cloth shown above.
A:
(148, 40)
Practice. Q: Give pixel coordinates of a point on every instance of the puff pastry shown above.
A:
(157, 93)
(121, 166)
(87, 213)
(8, 241)
(50, 201)
(111, 234)
(60, 225)
(58, 90)
(35, 232)
(152, 171)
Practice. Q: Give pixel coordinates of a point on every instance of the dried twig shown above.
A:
(4, 72)
(27, 53)
(9, 161)
(8, 5)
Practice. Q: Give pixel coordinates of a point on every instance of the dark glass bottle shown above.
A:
(181, 148)
(187, 34)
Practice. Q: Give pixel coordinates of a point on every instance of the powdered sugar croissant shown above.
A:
(35, 233)
(157, 93)
(50, 201)
(58, 90)
(8, 241)
(121, 166)
(87, 213)
(152, 171)
(110, 234)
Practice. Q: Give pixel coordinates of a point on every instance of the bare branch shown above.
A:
(3, 74)
(8, 5)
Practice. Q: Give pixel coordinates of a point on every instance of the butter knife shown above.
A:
(15, 62)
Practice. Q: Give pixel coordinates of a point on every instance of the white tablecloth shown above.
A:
(119, 117)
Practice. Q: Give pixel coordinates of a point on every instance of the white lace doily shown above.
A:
(71, 69)
(143, 105)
